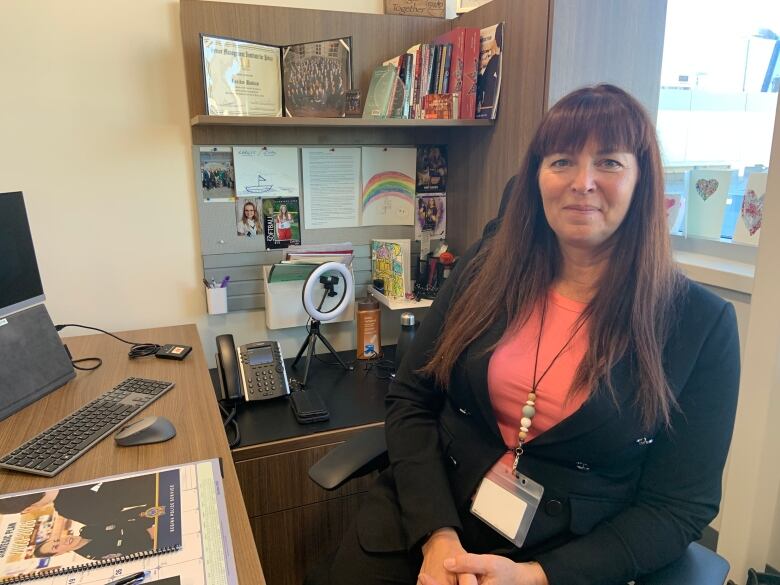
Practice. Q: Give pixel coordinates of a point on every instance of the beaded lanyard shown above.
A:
(529, 410)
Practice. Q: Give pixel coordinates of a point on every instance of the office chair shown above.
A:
(367, 452)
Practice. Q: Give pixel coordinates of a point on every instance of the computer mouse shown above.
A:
(152, 429)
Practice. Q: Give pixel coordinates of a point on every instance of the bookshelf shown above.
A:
(243, 121)
(398, 304)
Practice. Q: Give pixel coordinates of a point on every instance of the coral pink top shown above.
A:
(511, 370)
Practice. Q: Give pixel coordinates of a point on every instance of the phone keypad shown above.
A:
(264, 381)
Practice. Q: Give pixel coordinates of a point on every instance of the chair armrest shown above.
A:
(697, 566)
(359, 455)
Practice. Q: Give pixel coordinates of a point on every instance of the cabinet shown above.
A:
(294, 521)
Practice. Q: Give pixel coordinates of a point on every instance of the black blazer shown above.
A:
(619, 502)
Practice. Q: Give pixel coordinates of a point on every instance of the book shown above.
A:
(395, 105)
(491, 55)
(463, 67)
(435, 65)
(390, 263)
(440, 106)
(445, 84)
(380, 91)
(157, 520)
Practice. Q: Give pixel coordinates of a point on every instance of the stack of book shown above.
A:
(300, 261)
(430, 80)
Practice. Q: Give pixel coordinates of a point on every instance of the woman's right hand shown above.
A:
(444, 543)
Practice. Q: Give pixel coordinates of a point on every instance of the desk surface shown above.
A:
(190, 405)
(354, 399)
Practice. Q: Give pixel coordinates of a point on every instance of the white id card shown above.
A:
(507, 503)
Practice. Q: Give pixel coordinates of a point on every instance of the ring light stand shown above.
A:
(315, 309)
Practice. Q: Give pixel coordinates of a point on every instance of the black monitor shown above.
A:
(33, 361)
(20, 281)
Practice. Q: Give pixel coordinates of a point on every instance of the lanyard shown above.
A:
(529, 410)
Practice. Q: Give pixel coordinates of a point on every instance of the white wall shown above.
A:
(96, 133)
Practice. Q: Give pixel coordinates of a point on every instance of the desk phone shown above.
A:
(253, 371)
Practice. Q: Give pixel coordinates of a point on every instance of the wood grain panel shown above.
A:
(278, 482)
(291, 542)
(481, 162)
(190, 406)
(375, 37)
(331, 122)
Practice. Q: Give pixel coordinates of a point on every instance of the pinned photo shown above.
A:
(218, 176)
(248, 222)
(431, 217)
(282, 221)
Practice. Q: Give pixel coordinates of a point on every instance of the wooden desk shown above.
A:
(296, 522)
(190, 405)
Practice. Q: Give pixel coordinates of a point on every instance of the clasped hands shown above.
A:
(446, 562)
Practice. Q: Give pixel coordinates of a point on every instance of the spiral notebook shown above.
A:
(96, 531)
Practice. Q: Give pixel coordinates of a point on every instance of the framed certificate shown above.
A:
(241, 78)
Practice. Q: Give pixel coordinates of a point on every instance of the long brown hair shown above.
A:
(631, 310)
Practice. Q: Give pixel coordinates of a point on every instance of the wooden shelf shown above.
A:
(203, 120)
(398, 304)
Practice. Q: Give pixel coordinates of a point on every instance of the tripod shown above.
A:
(314, 333)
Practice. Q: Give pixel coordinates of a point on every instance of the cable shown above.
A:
(89, 359)
(136, 350)
(382, 369)
(230, 418)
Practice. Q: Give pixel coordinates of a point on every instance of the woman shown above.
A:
(247, 226)
(600, 373)
(284, 221)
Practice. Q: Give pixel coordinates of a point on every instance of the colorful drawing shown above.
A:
(748, 227)
(674, 205)
(387, 265)
(752, 211)
(705, 204)
(383, 188)
(388, 185)
(706, 188)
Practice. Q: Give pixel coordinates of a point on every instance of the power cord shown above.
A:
(136, 350)
(382, 369)
(230, 419)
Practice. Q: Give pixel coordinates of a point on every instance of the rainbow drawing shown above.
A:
(389, 186)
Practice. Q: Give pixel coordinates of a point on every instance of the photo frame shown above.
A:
(316, 77)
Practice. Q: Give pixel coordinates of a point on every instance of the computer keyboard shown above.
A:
(60, 445)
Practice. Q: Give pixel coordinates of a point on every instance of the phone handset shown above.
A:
(227, 367)
(254, 371)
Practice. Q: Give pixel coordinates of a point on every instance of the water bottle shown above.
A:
(405, 338)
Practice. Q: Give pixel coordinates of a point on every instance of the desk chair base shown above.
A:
(310, 341)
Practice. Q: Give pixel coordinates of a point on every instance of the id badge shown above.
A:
(507, 502)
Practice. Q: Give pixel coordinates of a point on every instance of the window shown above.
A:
(719, 84)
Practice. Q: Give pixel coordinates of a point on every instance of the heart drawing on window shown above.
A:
(752, 211)
(706, 187)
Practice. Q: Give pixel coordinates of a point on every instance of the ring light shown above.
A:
(310, 288)
(314, 309)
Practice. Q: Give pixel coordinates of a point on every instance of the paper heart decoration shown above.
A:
(669, 202)
(706, 187)
(752, 211)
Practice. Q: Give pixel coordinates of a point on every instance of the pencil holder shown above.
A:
(216, 300)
